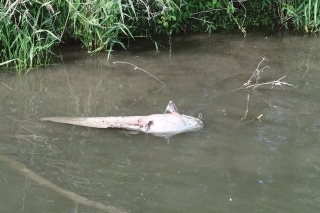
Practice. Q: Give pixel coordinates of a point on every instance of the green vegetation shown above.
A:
(301, 15)
(30, 29)
(26, 33)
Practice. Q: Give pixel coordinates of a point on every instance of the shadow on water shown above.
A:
(267, 166)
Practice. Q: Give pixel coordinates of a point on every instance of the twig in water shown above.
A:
(136, 67)
(273, 83)
(246, 113)
(256, 76)
(257, 118)
(247, 110)
(68, 194)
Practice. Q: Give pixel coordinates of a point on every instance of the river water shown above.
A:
(231, 165)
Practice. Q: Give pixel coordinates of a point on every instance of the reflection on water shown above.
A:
(267, 166)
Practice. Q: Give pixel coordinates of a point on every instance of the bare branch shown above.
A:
(135, 67)
(272, 83)
(256, 76)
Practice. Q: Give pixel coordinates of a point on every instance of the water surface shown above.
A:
(231, 165)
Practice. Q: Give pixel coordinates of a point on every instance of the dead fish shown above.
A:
(161, 125)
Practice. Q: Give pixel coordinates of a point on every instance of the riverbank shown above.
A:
(31, 30)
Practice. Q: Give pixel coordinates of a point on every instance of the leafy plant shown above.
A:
(302, 15)
(30, 29)
(27, 34)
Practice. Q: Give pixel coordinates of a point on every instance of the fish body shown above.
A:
(162, 125)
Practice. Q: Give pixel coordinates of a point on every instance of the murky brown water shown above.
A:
(267, 166)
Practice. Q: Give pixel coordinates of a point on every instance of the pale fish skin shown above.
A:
(161, 125)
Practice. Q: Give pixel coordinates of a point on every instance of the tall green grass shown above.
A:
(98, 23)
(312, 16)
(26, 34)
(30, 29)
(301, 14)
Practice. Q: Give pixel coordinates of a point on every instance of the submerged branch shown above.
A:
(247, 110)
(68, 194)
(257, 118)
